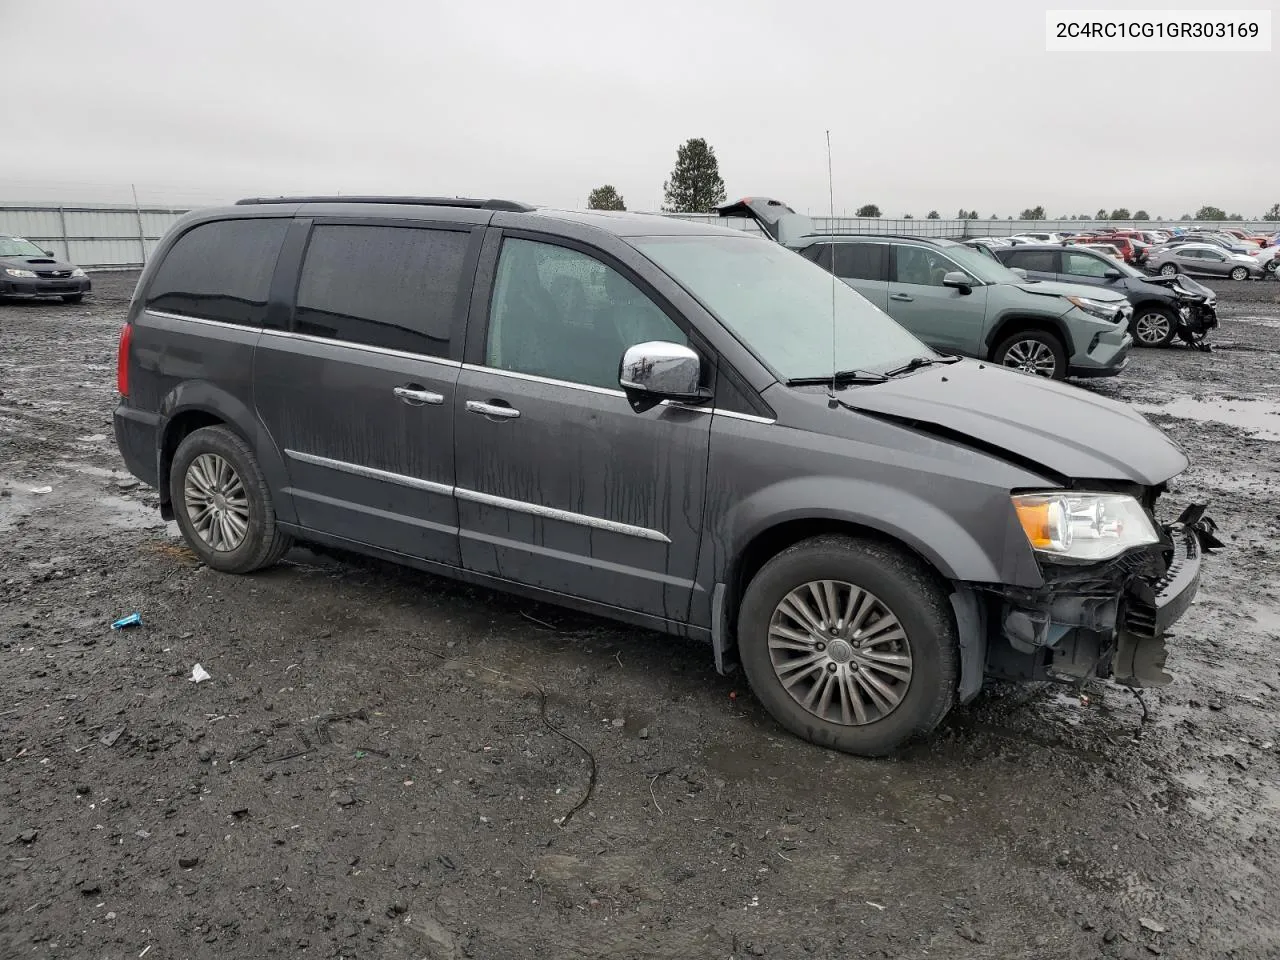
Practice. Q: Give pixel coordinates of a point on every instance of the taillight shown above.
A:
(122, 360)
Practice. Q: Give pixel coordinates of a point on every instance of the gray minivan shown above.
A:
(682, 427)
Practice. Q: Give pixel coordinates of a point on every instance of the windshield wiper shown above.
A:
(840, 376)
(915, 363)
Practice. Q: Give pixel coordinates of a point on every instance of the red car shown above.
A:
(1124, 244)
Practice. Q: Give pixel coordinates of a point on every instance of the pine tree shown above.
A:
(605, 198)
(695, 185)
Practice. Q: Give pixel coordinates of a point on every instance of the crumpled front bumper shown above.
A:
(1108, 621)
(1153, 606)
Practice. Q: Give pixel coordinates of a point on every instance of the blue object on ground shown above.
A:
(132, 620)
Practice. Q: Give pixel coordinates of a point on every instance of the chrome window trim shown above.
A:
(549, 381)
(363, 347)
(308, 338)
(748, 417)
(371, 473)
(209, 323)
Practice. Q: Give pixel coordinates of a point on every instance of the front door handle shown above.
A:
(494, 408)
(416, 396)
(902, 298)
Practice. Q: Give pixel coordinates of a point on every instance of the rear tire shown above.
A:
(1154, 327)
(1239, 273)
(72, 297)
(223, 504)
(1033, 352)
(897, 650)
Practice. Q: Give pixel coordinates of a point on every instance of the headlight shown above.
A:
(1095, 308)
(1083, 526)
(14, 272)
(77, 272)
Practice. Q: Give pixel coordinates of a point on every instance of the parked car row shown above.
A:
(675, 425)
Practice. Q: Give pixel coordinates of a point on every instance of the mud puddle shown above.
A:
(1259, 417)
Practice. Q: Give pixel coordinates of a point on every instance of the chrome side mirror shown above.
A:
(662, 371)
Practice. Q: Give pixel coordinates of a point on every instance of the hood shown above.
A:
(36, 263)
(1050, 288)
(1066, 430)
(1179, 283)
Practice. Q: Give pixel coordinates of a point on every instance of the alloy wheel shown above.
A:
(840, 652)
(216, 502)
(1239, 273)
(1031, 356)
(1168, 270)
(1152, 329)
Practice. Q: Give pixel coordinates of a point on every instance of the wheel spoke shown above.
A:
(795, 607)
(853, 697)
(790, 667)
(866, 604)
(237, 525)
(895, 671)
(819, 693)
(875, 691)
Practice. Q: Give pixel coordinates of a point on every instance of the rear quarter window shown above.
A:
(220, 271)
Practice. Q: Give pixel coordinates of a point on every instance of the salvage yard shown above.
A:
(383, 764)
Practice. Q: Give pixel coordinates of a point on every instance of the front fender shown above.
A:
(207, 398)
(997, 553)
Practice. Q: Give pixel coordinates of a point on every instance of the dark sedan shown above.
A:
(1163, 307)
(28, 271)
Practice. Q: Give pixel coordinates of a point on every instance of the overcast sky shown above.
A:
(930, 103)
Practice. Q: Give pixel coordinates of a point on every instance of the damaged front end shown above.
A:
(1197, 308)
(1106, 620)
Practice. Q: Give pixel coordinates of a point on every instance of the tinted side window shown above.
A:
(561, 314)
(860, 261)
(922, 265)
(1083, 265)
(819, 253)
(1042, 261)
(394, 287)
(220, 271)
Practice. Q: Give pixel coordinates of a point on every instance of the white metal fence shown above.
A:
(102, 235)
(122, 235)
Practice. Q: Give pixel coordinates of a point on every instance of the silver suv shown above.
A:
(961, 301)
(681, 427)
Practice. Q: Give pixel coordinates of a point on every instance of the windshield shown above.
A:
(986, 269)
(780, 305)
(17, 247)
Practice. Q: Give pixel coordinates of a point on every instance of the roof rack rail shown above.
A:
(511, 205)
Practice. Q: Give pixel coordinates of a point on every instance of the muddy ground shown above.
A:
(374, 769)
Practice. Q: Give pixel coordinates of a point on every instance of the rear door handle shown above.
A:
(494, 408)
(902, 298)
(415, 396)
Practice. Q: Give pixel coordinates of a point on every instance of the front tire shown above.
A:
(849, 644)
(1154, 327)
(223, 504)
(1239, 273)
(1034, 352)
(1169, 270)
